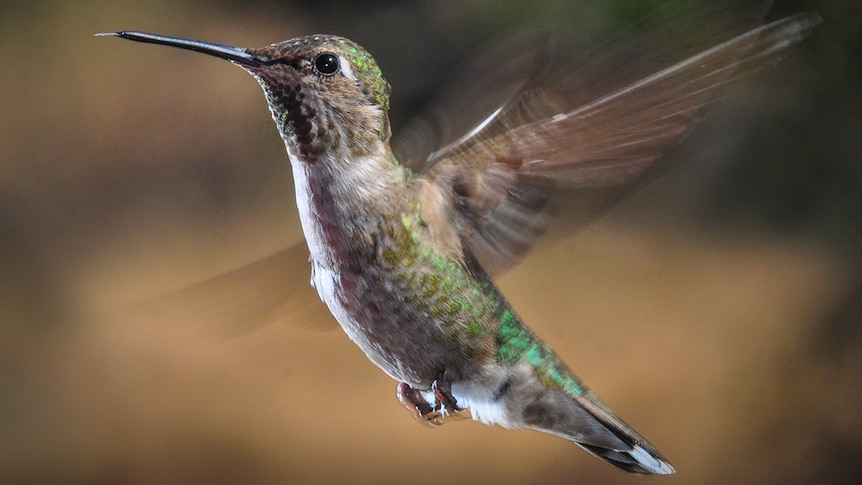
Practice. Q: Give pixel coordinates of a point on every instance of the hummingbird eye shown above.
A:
(326, 64)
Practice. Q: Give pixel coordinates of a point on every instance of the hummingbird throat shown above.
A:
(297, 119)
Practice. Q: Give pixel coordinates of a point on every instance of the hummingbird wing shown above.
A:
(602, 124)
(233, 303)
(506, 68)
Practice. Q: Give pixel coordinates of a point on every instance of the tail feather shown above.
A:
(639, 457)
(637, 460)
(584, 419)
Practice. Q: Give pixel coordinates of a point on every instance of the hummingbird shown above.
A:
(405, 236)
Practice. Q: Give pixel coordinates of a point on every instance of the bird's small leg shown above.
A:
(418, 405)
(445, 402)
(414, 401)
(445, 405)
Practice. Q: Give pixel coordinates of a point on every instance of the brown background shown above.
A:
(717, 309)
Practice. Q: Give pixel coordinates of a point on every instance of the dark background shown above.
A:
(718, 309)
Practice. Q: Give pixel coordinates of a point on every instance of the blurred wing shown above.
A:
(269, 290)
(486, 82)
(504, 172)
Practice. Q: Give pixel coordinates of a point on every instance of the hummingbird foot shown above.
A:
(417, 401)
(444, 401)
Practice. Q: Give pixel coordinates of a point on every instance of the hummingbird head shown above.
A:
(326, 93)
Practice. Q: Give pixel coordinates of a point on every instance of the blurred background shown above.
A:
(718, 309)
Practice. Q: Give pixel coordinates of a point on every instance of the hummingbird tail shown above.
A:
(638, 460)
(589, 423)
(637, 456)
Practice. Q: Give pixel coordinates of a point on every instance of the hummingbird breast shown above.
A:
(393, 273)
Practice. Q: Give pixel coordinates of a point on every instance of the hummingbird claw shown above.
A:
(415, 400)
(444, 400)
(416, 403)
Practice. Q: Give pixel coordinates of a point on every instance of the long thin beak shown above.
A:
(238, 55)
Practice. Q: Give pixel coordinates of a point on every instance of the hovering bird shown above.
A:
(405, 236)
